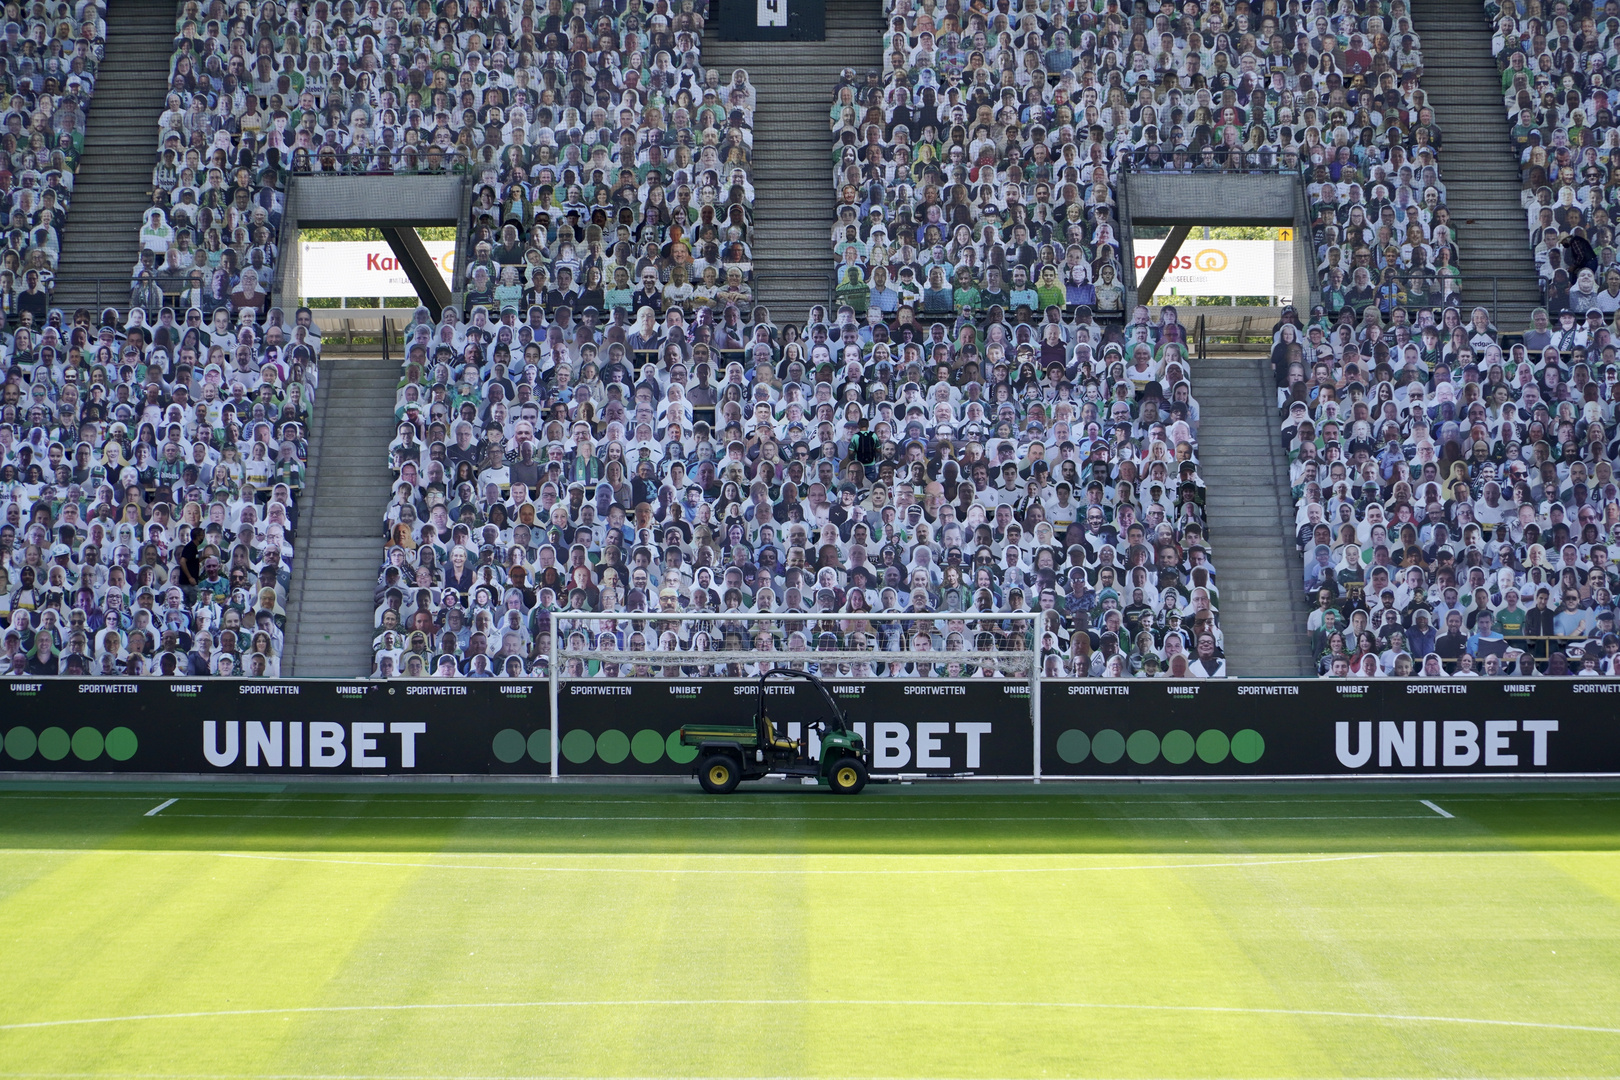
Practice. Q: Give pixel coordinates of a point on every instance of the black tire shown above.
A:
(719, 774)
(847, 776)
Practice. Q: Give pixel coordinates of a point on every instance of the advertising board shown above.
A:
(1093, 729)
(351, 268)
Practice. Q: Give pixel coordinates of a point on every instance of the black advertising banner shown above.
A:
(314, 727)
(1232, 728)
(476, 725)
(1226, 728)
(57, 725)
(632, 726)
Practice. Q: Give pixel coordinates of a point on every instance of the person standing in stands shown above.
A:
(33, 301)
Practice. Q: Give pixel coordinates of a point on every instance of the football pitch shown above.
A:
(391, 931)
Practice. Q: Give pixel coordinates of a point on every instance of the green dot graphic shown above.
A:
(647, 746)
(540, 747)
(1213, 747)
(1143, 747)
(677, 752)
(1177, 747)
(1108, 746)
(122, 744)
(613, 746)
(1248, 745)
(578, 746)
(20, 743)
(508, 745)
(87, 744)
(54, 744)
(1074, 746)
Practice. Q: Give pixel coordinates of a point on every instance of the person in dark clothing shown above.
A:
(1538, 623)
(42, 661)
(1579, 255)
(644, 486)
(34, 300)
(191, 563)
(1453, 643)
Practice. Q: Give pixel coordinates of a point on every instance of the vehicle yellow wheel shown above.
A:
(718, 774)
(847, 777)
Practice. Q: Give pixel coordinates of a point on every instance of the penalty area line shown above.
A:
(682, 1003)
(803, 871)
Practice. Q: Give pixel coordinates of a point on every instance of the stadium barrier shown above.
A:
(982, 728)
(916, 727)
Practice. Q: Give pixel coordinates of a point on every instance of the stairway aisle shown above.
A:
(114, 181)
(331, 601)
(793, 192)
(1262, 609)
(1477, 163)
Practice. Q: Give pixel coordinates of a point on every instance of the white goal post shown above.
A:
(872, 629)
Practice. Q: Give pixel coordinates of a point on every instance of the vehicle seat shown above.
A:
(778, 741)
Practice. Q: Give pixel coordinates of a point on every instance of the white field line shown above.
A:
(1436, 809)
(686, 1003)
(754, 857)
(829, 819)
(160, 807)
(808, 871)
(677, 798)
(662, 1076)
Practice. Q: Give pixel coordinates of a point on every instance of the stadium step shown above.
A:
(1477, 163)
(1262, 615)
(793, 179)
(114, 182)
(330, 603)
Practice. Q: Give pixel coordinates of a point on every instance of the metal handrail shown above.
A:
(114, 292)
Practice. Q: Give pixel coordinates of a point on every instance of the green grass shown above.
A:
(646, 930)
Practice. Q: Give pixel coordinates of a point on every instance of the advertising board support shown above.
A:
(551, 692)
(1035, 710)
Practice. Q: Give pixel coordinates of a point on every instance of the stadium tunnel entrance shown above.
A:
(1187, 201)
(393, 205)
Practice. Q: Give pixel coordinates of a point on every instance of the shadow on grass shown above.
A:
(777, 819)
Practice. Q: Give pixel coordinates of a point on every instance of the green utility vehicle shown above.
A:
(728, 755)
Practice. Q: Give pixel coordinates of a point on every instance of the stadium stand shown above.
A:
(151, 475)
(810, 472)
(52, 53)
(1020, 119)
(975, 426)
(1556, 63)
(1456, 495)
(619, 181)
(113, 185)
(251, 93)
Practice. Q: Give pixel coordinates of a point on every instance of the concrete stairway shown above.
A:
(1262, 612)
(792, 141)
(1477, 162)
(340, 532)
(114, 182)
